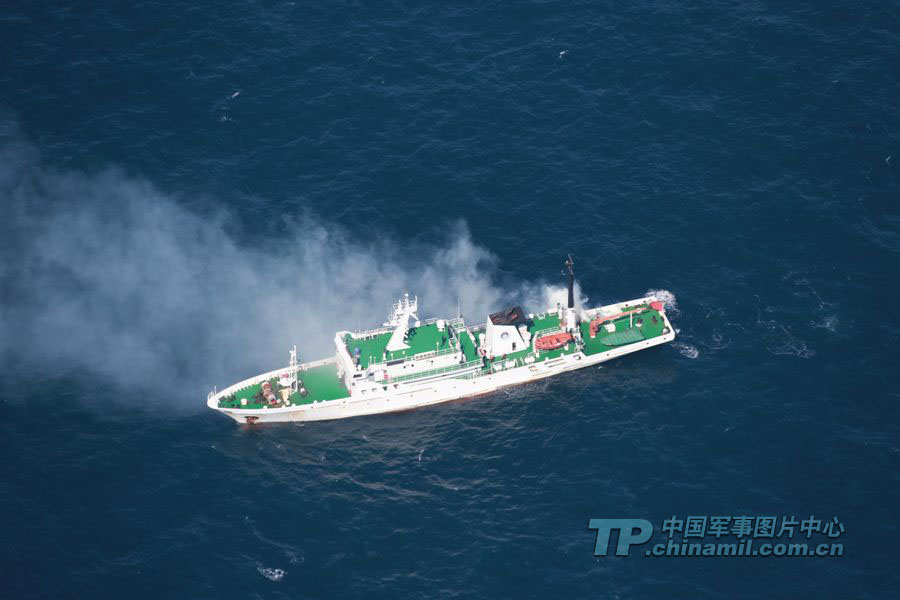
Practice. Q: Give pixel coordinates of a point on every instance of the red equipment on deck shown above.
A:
(553, 341)
(597, 322)
(268, 394)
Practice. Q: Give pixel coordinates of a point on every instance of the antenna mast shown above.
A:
(570, 320)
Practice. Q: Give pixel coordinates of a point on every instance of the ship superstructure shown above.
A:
(408, 363)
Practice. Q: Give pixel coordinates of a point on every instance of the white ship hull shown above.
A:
(415, 394)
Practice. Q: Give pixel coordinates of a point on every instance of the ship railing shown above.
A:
(458, 325)
(456, 321)
(461, 328)
(546, 331)
(315, 363)
(454, 348)
(241, 385)
(435, 353)
(432, 372)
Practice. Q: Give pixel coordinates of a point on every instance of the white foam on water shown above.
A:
(271, 574)
(686, 350)
(830, 323)
(793, 347)
(719, 342)
(670, 302)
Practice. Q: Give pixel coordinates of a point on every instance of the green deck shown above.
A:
(321, 383)
(606, 341)
(545, 321)
(425, 338)
(468, 347)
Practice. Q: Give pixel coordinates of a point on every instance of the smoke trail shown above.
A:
(104, 274)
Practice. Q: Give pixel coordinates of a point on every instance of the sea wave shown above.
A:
(271, 574)
(670, 302)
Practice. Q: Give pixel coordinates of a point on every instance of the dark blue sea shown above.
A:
(188, 189)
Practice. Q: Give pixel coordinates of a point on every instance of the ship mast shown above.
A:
(294, 368)
(570, 321)
(399, 320)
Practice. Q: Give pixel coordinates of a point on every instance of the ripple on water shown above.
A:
(686, 350)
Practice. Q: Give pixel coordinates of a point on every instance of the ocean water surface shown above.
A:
(188, 189)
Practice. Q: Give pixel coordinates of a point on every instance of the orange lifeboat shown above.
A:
(553, 341)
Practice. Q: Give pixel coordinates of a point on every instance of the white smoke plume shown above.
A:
(105, 275)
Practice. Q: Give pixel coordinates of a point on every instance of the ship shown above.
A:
(407, 363)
